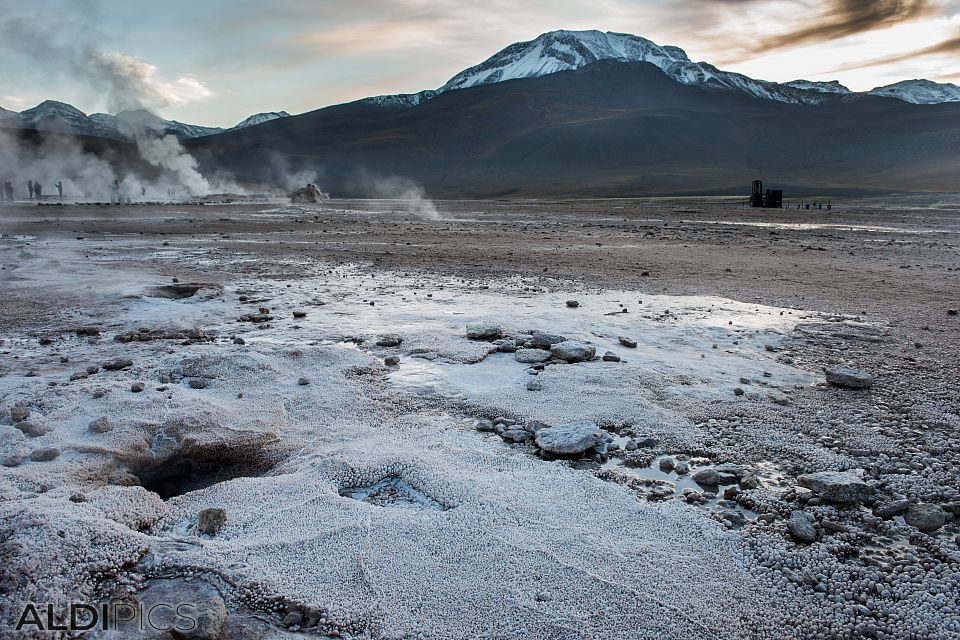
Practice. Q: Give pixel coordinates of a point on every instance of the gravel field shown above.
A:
(557, 419)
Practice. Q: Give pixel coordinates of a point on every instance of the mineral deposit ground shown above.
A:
(496, 419)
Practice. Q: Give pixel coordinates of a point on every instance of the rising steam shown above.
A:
(69, 47)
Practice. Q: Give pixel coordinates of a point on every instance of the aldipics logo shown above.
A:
(76, 616)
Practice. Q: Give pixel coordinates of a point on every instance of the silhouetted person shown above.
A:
(30, 188)
(59, 186)
(36, 189)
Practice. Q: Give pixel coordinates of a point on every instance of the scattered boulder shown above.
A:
(573, 304)
(569, 439)
(100, 425)
(19, 413)
(32, 429)
(925, 517)
(484, 331)
(389, 340)
(299, 314)
(572, 351)
(210, 521)
(627, 342)
(137, 387)
(391, 361)
(118, 364)
(45, 454)
(610, 356)
(891, 509)
(839, 487)
(848, 377)
(802, 527)
(198, 383)
(538, 340)
(531, 356)
(534, 385)
(707, 477)
(303, 382)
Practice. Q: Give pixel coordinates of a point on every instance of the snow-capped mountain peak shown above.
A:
(260, 118)
(832, 86)
(919, 92)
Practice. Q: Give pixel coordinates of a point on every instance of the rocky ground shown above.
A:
(611, 418)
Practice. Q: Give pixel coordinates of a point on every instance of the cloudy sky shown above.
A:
(216, 61)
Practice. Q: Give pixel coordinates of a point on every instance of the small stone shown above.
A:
(666, 464)
(737, 391)
(610, 356)
(100, 425)
(293, 619)
(572, 351)
(749, 482)
(303, 381)
(198, 383)
(137, 387)
(544, 596)
(45, 454)
(627, 342)
(573, 304)
(389, 340)
(534, 385)
(848, 377)
(539, 340)
(31, 429)
(839, 487)
(118, 364)
(891, 509)
(239, 340)
(13, 461)
(707, 477)
(19, 413)
(299, 314)
(925, 517)
(484, 425)
(391, 361)
(78, 498)
(210, 521)
(802, 527)
(682, 468)
(569, 439)
(531, 356)
(484, 331)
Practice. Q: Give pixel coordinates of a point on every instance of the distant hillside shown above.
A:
(610, 128)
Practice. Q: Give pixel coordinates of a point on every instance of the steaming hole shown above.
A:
(186, 471)
(177, 291)
(393, 491)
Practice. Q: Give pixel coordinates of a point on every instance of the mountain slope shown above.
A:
(610, 128)
(920, 92)
(60, 117)
(557, 51)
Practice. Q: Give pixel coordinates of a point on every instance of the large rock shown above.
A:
(531, 356)
(847, 377)
(839, 487)
(543, 340)
(802, 527)
(572, 351)
(484, 331)
(569, 439)
(926, 517)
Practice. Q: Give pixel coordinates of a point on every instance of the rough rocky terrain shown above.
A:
(610, 418)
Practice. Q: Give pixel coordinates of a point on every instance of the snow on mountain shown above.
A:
(833, 86)
(919, 92)
(52, 115)
(557, 51)
(568, 50)
(260, 118)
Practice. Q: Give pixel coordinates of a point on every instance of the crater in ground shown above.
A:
(393, 491)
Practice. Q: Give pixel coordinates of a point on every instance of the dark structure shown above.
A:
(772, 199)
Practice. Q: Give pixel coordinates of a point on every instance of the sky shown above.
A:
(214, 62)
